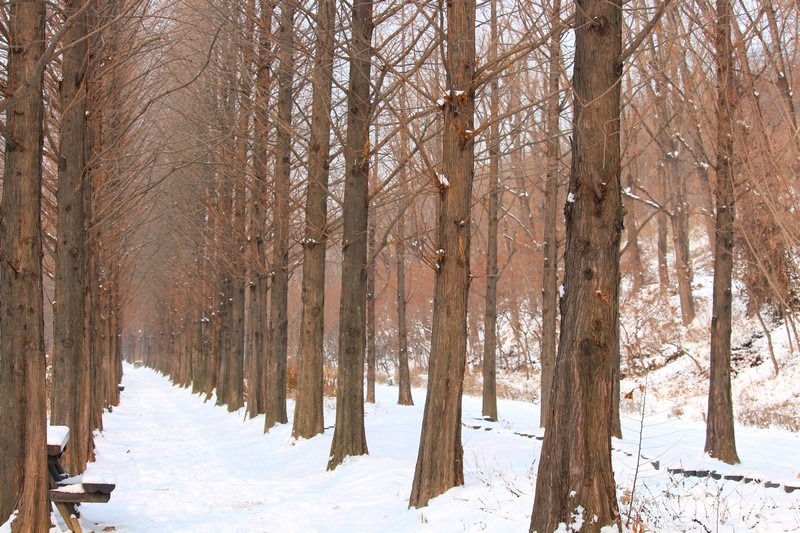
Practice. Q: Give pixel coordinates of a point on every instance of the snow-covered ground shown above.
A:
(185, 465)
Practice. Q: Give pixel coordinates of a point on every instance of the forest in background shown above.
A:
(668, 118)
(202, 162)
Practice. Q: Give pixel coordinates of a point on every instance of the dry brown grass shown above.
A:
(782, 415)
(328, 379)
(509, 386)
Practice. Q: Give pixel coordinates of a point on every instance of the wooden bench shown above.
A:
(67, 492)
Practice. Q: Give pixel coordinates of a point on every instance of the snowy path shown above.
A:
(183, 465)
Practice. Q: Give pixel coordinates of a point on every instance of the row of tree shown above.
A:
(665, 128)
(72, 183)
(195, 157)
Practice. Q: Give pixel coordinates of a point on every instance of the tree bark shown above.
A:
(235, 400)
(349, 437)
(371, 315)
(440, 457)
(69, 402)
(550, 247)
(226, 337)
(489, 396)
(661, 231)
(308, 413)
(720, 440)
(680, 246)
(225, 180)
(404, 396)
(632, 234)
(279, 320)
(235, 387)
(256, 397)
(575, 469)
(23, 409)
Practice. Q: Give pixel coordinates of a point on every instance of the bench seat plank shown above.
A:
(99, 481)
(76, 493)
(57, 439)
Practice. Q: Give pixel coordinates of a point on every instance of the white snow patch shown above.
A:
(6, 528)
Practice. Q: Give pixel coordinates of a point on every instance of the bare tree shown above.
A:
(720, 440)
(403, 372)
(441, 455)
(23, 401)
(278, 311)
(256, 390)
(372, 326)
(575, 470)
(308, 416)
(489, 407)
(69, 402)
(349, 437)
(550, 245)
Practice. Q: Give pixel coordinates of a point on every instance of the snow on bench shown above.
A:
(57, 439)
(91, 487)
(66, 491)
(77, 493)
(99, 481)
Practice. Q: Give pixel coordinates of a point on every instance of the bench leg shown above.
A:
(70, 516)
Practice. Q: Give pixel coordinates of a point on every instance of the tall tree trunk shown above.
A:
(92, 301)
(258, 318)
(205, 371)
(550, 248)
(95, 180)
(235, 400)
(720, 440)
(23, 401)
(69, 402)
(516, 302)
(661, 230)
(489, 406)
(225, 339)
(575, 468)
(680, 246)
(225, 186)
(672, 191)
(256, 393)
(235, 392)
(349, 437)
(403, 373)
(404, 396)
(663, 174)
(308, 412)
(632, 234)
(371, 315)
(441, 456)
(279, 320)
